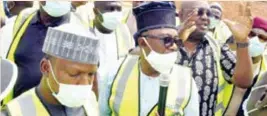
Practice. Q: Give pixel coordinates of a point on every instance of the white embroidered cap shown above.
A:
(72, 42)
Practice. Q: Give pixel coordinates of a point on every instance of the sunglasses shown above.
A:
(167, 40)
(201, 12)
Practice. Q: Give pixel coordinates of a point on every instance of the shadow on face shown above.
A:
(68, 72)
(160, 43)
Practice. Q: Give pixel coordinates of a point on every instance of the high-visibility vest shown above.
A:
(221, 33)
(2, 12)
(29, 104)
(225, 89)
(238, 94)
(124, 98)
(262, 68)
(20, 26)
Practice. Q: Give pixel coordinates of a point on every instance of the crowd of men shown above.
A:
(80, 58)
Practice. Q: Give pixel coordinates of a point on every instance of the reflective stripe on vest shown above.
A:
(20, 26)
(125, 91)
(263, 68)
(28, 104)
(225, 89)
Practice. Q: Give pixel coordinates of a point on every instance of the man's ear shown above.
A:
(141, 42)
(45, 67)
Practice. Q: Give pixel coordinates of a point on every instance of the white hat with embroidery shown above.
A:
(72, 42)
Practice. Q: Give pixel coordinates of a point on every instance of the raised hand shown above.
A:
(243, 24)
(188, 26)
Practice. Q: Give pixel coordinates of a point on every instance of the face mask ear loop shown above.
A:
(147, 44)
(53, 77)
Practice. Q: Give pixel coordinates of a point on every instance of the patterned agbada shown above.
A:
(203, 66)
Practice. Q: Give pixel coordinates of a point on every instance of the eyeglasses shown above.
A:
(167, 40)
(201, 12)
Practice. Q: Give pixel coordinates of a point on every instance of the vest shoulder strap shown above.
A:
(28, 104)
(124, 39)
(127, 72)
(21, 18)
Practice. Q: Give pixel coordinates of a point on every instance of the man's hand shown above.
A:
(188, 26)
(243, 25)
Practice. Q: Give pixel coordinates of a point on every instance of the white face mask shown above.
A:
(213, 22)
(71, 95)
(57, 8)
(256, 47)
(111, 20)
(162, 63)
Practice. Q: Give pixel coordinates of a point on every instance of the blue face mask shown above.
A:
(7, 11)
(256, 47)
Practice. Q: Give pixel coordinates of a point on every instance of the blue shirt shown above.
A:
(29, 53)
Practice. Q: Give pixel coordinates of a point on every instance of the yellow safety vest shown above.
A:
(2, 12)
(221, 33)
(262, 68)
(29, 104)
(124, 98)
(225, 89)
(20, 26)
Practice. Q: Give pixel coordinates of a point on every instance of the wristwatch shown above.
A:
(242, 45)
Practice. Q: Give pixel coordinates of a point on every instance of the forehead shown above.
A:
(194, 4)
(162, 31)
(67, 64)
(100, 4)
(215, 11)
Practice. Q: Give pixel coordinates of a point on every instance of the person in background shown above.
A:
(256, 103)
(115, 38)
(132, 87)
(68, 70)
(214, 68)
(258, 42)
(13, 8)
(76, 4)
(131, 22)
(218, 29)
(25, 45)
